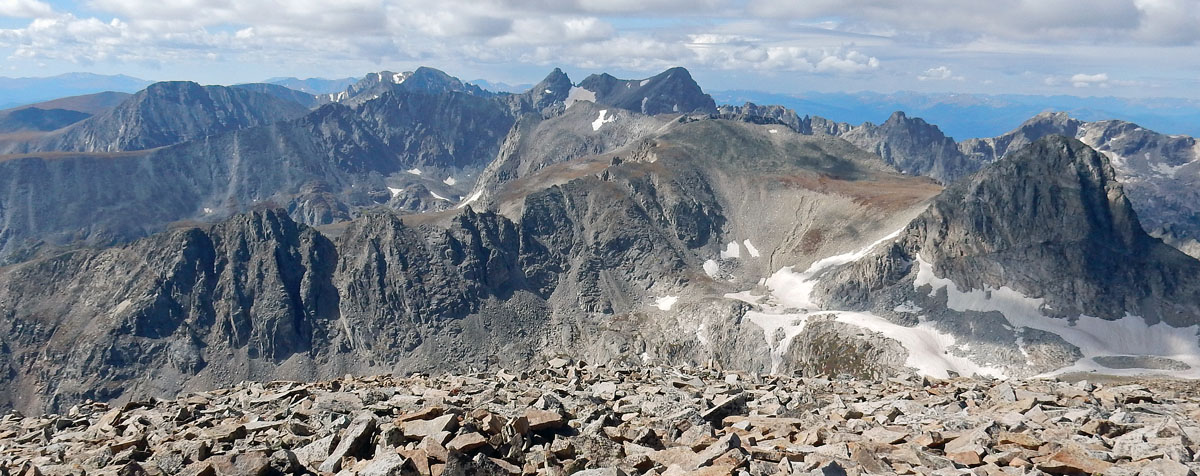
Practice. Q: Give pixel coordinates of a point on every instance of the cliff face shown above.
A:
(671, 92)
(320, 167)
(914, 147)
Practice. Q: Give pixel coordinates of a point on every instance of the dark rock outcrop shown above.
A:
(914, 147)
(1051, 222)
(672, 91)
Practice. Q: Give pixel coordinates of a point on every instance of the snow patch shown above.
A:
(908, 307)
(208, 211)
(928, 348)
(751, 249)
(398, 78)
(395, 191)
(414, 171)
(549, 91)
(579, 94)
(666, 302)
(711, 268)
(439, 197)
(773, 131)
(600, 120)
(474, 196)
(731, 251)
(794, 290)
(1095, 337)
(644, 83)
(450, 181)
(785, 327)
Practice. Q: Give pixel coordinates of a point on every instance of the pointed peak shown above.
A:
(675, 72)
(556, 77)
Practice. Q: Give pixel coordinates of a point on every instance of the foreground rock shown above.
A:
(572, 418)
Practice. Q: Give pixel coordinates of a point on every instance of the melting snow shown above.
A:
(908, 307)
(795, 289)
(579, 94)
(731, 251)
(398, 78)
(1095, 337)
(439, 197)
(774, 131)
(711, 268)
(549, 91)
(666, 302)
(414, 171)
(644, 82)
(600, 120)
(395, 191)
(928, 349)
(208, 211)
(751, 249)
(472, 198)
(450, 181)
(791, 325)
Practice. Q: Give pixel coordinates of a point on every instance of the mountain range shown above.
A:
(971, 116)
(193, 236)
(21, 91)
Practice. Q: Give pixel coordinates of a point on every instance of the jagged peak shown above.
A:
(1054, 190)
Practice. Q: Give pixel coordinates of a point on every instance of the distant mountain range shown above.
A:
(501, 87)
(20, 91)
(960, 116)
(314, 85)
(969, 116)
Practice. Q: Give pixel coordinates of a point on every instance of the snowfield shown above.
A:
(1095, 337)
(788, 306)
(601, 120)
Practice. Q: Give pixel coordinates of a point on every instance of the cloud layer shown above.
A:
(854, 43)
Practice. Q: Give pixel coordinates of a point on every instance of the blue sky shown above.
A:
(1129, 48)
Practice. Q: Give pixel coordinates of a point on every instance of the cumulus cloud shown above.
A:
(920, 44)
(1088, 80)
(25, 8)
(738, 52)
(1084, 80)
(951, 21)
(940, 73)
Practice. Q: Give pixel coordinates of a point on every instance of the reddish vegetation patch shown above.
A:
(811, 241)
(74, 155)
(888, 193)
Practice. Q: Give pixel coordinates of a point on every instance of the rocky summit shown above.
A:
(565, 417)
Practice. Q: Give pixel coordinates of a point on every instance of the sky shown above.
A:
(1123, 48)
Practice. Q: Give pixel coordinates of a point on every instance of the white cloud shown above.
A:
(860, 44)
(1088, 79)
(940, 73)
(1023, 21)
(24, 9)
(738, 52)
